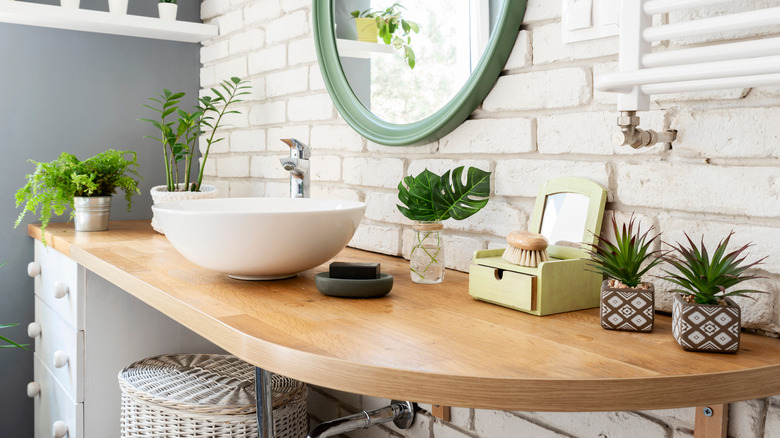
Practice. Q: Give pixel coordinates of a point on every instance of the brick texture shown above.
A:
(542, 119)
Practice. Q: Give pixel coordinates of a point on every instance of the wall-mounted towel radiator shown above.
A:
(725, 64)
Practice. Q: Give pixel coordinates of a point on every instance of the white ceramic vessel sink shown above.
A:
(259, 238)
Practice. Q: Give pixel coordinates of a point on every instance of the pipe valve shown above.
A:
(631, 135)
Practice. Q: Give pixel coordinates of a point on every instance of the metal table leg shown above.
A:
(265, 403)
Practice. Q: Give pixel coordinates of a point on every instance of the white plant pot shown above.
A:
(160, 195)
(167, 11)
(70, 4)
(117, 6)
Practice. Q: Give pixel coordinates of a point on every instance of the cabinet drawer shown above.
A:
(511, 289)
(58, 339)
(53, 404)
(60, 273)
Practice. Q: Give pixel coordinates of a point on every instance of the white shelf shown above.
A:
(33, 14)
(360, 49)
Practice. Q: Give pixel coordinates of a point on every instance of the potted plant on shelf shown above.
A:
(117, 7)
(70, 4)
(627, 303)
(84, 186)
(167, 9)
(429, 199)
(389, 25)
(703, 316)
(179, 139)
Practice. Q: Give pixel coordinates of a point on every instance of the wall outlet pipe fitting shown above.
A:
(631, 135)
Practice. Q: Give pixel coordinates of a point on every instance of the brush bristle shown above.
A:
(524, 257)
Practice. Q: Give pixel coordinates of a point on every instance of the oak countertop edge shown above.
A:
(474, 391)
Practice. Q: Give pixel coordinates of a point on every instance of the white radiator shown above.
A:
(725, 64)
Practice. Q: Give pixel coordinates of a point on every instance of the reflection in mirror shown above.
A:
(452, 37)
(564, 218)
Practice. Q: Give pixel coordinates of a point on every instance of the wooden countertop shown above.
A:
(425, 343)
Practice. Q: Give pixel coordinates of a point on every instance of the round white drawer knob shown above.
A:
(33, 389)
(59, 429)
(60, 289)
(60, 359)
(33, 330)
(33, 269)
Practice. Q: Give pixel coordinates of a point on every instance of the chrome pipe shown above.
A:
(265, 403)
(400, 413)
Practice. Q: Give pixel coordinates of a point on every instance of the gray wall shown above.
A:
(82, 93)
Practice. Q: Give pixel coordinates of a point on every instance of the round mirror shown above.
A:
(442, 59)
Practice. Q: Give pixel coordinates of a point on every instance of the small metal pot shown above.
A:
(91, 213)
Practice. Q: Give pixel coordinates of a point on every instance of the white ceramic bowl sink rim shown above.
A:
(259, 238)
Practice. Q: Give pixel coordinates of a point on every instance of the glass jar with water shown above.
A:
(426, 260)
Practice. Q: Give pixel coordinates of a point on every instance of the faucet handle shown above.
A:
(299, 149)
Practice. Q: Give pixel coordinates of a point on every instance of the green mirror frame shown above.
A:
(440, 123)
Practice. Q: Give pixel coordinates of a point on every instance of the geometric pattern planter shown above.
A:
(627, 309)
(706, 327)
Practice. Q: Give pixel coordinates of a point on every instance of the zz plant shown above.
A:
(629, 258)
(179, 134)
(53, 185)
(705, 279)
(393, 29)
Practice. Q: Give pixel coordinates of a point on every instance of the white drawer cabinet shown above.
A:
(58, 284)
(61, 349)
(99, 329)
(53, 406)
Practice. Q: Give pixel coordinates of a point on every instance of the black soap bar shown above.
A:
(355, 271)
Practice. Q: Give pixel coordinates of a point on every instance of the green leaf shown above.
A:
(629, 258)
(707, 278)
(429, 197)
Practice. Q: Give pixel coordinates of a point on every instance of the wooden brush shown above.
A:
(526, 249)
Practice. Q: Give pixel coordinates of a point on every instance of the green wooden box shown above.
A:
(552, 287)
(562, 284)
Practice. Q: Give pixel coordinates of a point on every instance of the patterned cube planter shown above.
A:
(627, 309)
(706, 327)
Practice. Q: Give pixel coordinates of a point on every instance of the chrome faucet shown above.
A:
(298, 166)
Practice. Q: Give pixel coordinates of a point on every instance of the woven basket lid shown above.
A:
(203, 383)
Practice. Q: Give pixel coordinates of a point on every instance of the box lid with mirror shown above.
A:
(568, 213)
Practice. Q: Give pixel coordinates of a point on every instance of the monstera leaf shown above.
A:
(429, 197)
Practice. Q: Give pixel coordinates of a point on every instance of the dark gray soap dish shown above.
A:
(353, 288)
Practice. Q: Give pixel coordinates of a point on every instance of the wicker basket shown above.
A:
(204, 395)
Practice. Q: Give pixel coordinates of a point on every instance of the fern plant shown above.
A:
(704, 279)
(629, 258)
(429, 197)
(51, 188)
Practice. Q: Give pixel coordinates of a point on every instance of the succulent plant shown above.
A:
(706, 279)
(623, 260)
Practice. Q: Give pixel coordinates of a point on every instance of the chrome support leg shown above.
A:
(265, 403)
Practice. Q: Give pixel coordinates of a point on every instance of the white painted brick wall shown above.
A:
(561, 88)
(287, 82)
(542, 119)
(373, 172)
(479, 136)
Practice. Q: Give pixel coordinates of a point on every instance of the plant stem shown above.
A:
(213, 133)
